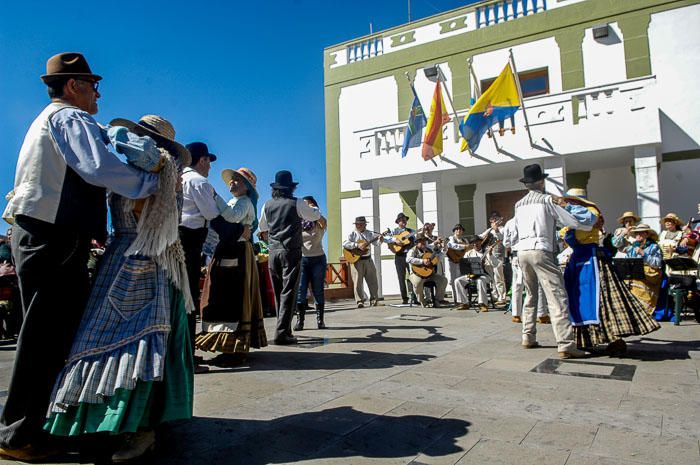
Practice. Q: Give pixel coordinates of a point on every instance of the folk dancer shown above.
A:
(415, 257)
(622, 237)
(130, 368)
(482, 282)
(402, 269)
(602, 308)
(363, 270)
(458, 243)
(645, 246)
(199, 212)
(231, 306)
(536, 216)
(495, 255)
(57, 206)
(313, 267)
(280, 221)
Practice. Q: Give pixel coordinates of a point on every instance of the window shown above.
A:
(534, 82)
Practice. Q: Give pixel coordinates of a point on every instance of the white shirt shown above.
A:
(199, 200)
(355, 236)
(304, 210)
(510, 235)
(536, 218)
(457, 244)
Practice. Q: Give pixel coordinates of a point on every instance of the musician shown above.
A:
(645, 246)
(671, 235)
(691, 237)
(495, 255)
(456, 242)
(622, 236)
(482, 281)
(415, 257)
(428, 232)
(363, 270)
(405, 286)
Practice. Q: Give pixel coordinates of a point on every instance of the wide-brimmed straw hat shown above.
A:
(578, 195)
(642, 227)
(672, 217)
(159, 129)
(246, 173)
(68, 65)
(628, 214)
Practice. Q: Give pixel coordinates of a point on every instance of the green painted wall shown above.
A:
(465, 199)
(571, 55)
(332, 95)
(409, 199)
(579, 179)
(636, 40)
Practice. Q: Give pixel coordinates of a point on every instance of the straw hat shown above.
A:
(247, 175)
(642, 227)
(628, 214)
(672, 217)
(159, 129)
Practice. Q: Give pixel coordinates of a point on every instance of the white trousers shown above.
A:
(517, 288)
(481, 287)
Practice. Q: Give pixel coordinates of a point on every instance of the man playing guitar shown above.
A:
(494, 251)
(425, 257)
(457, 246)
(363, 269)
(403, 239)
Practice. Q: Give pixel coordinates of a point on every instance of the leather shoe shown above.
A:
(516, 319)
(545, 320)
(285, 340)
(531, 345)
(29, 453)
(135, 446)
(483, 308)
(572, 353)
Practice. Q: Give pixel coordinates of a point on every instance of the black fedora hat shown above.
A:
(532, 173)
(199, 150)
(283, 180)
(360, 220)
(458, 226)
(400, 217)
(68, 65)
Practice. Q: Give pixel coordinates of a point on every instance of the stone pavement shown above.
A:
(390, 385)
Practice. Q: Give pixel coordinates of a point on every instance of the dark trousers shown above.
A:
(192, 242)
(313, 271)
(53, 282)
(285, 266)
(401, 272)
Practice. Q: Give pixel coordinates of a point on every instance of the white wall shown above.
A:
(604, 59)
(674, 41)
(614, 191)
(679, 188)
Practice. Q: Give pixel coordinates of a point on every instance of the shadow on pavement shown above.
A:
(335, 435)
(650, 349)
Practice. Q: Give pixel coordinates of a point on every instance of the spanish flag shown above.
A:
(500, 101)
(432, 144)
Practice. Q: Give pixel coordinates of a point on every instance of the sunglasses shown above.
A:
(94, 84)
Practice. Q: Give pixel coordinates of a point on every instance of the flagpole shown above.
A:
(520, 94)
(492, 136)
(449, 97)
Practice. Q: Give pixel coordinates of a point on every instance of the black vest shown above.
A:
(284, 223)
(82, 206)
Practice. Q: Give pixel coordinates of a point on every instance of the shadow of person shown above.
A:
(654, 349)
(334, 435)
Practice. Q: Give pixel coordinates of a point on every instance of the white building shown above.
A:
(610, 94)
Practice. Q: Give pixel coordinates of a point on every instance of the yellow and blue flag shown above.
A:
(414, 128)
(500, 101)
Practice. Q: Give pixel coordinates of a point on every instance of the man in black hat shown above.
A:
(199, 212)
(415, 257)
(64, 171)
(280, 221)
(536, 218)
(400, 264)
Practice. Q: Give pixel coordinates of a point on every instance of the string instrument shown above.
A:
(426, 271)
(403, 241)
(456, 255)
(353, 255)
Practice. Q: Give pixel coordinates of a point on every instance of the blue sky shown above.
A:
(245, 77)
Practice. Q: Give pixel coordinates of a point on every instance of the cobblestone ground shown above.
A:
(392, 385)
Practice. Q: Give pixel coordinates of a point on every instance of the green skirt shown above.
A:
(151, 402)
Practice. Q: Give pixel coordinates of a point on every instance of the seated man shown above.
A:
(415, 258)
(482, 281)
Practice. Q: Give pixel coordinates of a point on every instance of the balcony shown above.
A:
(613, 116)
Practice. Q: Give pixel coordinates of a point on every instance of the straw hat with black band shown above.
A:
(159, 129)
(641, 227)
(672, 217)
(628, 214)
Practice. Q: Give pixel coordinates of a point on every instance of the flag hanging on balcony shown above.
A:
(414, 128)
(432, 144)
(500, 101)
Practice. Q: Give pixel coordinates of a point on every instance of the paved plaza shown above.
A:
(390, 385)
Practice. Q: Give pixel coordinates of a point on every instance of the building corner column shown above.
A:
(647, 184)
(555, 183)
(432, 204)
(369, 193)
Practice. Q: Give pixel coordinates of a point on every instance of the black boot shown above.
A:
(319, 316)
(301, 313)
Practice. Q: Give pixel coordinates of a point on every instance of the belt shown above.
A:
(365, 257)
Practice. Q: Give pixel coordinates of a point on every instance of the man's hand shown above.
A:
(426, 261)
(364, 246)
(246, 232)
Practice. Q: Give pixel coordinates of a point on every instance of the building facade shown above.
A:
(610, 98)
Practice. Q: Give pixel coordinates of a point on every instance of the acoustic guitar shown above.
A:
(404, 242)
(353, 255)
(456, 255)
(426, 271)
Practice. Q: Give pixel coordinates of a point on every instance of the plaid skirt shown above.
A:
(621, 313)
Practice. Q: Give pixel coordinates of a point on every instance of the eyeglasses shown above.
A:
(94, 84)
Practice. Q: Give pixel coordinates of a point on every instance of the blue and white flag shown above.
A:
(414, 129)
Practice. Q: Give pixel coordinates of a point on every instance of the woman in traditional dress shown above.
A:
(622, 237)
(232, 313)
(671, 236)
(645, 246)
(130, 367)
(601, 307)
